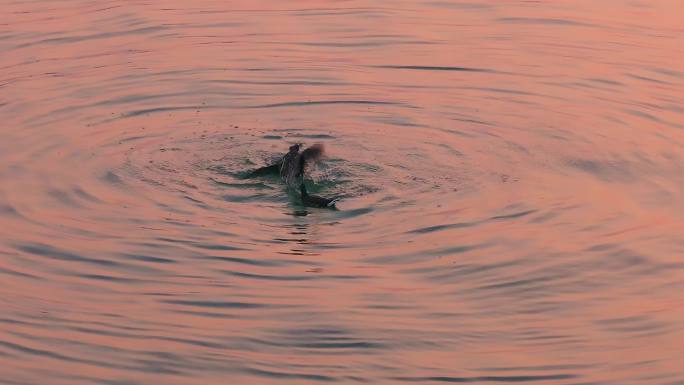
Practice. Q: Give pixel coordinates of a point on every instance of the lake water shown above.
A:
(511, 177)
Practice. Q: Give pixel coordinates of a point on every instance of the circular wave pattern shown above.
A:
(509, 174)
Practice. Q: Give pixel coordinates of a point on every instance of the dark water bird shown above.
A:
(291, 169)
(316, 201)
(294, 162)
(291, 166)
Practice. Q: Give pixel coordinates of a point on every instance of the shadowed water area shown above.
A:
(511, 177)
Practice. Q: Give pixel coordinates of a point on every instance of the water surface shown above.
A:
(511, 175)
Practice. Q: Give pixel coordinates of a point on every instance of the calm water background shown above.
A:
(512, 176)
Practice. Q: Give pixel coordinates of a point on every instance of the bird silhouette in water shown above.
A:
(291, 169)
(316, 201)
